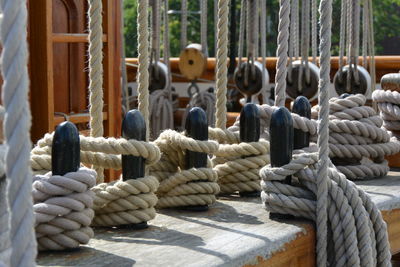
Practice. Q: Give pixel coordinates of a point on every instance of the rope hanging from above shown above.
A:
(96, 73)
(18, 244)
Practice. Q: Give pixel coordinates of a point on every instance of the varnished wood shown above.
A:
(41, 67)
(230, 117)
(73, 38)
(76, 118)
(384, 65)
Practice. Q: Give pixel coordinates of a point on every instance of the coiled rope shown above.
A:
(388, 104)
(19, 247)
(180, 187)
(63, 208)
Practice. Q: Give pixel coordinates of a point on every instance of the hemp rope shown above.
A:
(180, 187)
(96, 72)
(5, 245)
(282, 52)
(19, 248)
(355, 133)
(388, 103)
(143, 62)
(161, 104)
(119, 202)
(63, 209)
(238, 163)
(206, 100)
(357, 232)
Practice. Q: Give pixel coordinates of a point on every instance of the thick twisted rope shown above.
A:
(238, 163)
(143, 62)
(282, 52)
(388, 104)
(17, 122)
(325, 11)
(222, 61)
(357, 233)
(96, 72)
(180, 187)
(100, 151)
(63, 209)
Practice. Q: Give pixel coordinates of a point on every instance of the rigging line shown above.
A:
(166, 48)
(184, 22)
(314, 33)
(242, 27)
(292, 39)
(365, 33)
(263, 35)
(124, 80)
(232, 44)
(372, 69)
(203, 27)
(156, 31)
(342, 40)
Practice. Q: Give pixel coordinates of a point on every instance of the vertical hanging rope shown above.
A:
(371, 45)
(282, 52)
(124, 83)
(203, 27)
(143, 62)
(222, 67)
(342, 41)
(323, 130)
(242, 27)
(17, 122)
(184, 11)
(96, 73)
(314, 48)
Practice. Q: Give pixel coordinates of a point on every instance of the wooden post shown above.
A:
(250, 132)
(133, 167)
(281, 144)
(196, 127)
(66, 149)
(302, 107)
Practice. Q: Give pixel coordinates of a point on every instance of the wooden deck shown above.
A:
(234, 232)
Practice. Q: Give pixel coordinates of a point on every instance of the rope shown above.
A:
(238, 163)
(63, 209)
(282, 52)
(388, 103)
(99, 151)
(179, 187)
(5, 244)
(323, 130)
(222, 68)
(203, 27)
(357, 232)
(184, 23)
(96, 72)
(17, 122)
(205, 100)
(124, 83)
(314, 33)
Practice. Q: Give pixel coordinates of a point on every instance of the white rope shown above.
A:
(63, 209)
(282, 52)
(203, 27)
(222, 67)
(184, 23)
(5, 244)
(17, 122)
(96, 72)
(143, 62)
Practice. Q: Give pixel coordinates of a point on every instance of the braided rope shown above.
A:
(96, 72)
(17, 122)
(63, 209)
(179, 187)
(222, 61)
(358, 235)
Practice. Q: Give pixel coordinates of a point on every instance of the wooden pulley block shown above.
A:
(160, 80)
(391, 82)
(253, 83)
(192, 62)
(363, 86)
(308, 88)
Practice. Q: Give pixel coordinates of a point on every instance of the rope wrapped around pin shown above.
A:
(184, 171)
(355, 133)
(63, 202)
(240, 156)
(131, 200)
(357, 234)
(388, 101)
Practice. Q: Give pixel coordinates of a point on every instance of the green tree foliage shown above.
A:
(386, 24)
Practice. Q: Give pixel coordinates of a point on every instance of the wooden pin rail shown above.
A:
(73, 38)
(384, 65)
